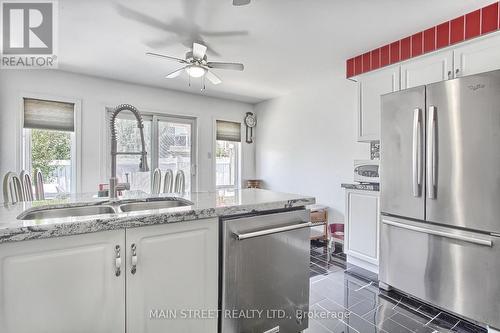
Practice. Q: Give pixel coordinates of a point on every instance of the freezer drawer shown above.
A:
(452, 269)
(265, 268)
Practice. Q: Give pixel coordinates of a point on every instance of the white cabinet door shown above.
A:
(478, 56)
(370, 87)
(176, 271)
(362, 225)
(432, 68)
(61, 285)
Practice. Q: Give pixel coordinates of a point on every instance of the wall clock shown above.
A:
(250, 122)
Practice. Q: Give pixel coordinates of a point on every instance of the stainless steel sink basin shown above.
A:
(51, 213)
(147, 205)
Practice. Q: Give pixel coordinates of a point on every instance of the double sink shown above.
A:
(106, 207)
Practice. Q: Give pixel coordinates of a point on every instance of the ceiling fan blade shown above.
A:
(240, 2)
(182, 61)
(139, 17)
(213, 78)
(175, 73)
(199, 50)
(226, 65)
(224, 33)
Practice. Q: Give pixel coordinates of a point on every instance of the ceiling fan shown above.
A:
(196, 64)
(240, 2)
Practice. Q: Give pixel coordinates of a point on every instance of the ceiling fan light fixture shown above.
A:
(195, 71)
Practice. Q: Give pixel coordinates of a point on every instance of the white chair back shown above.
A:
(27, 185)
(180, 182)
(39, 192)
(168, 182)
(12, 188)
(156, 183)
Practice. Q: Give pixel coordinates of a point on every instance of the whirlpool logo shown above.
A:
(475, 87)
(28, 35)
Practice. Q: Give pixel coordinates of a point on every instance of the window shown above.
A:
(175, 147)
(228, 142)
(170, 144)
(49, 143)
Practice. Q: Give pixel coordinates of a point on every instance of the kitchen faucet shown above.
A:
(114, 186)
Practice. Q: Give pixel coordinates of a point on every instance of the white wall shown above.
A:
(306, 142)
(96, 94)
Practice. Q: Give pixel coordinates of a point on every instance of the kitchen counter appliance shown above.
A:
(265, 272)
(440, 194)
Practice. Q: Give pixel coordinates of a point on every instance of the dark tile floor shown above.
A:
(346, 298)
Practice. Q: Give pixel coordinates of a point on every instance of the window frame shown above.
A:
(239, 158)
(23, 142)
(155, 118)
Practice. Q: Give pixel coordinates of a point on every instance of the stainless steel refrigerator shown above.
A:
(440, 195)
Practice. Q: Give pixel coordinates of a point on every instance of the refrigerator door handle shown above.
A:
(431, 153)
(417, 153)
(477, 241)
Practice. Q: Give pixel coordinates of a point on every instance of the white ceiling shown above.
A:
(287, 43)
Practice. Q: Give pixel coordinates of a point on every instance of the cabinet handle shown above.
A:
(134, 259)
(118, 261)
(457, 72)
(450, 75)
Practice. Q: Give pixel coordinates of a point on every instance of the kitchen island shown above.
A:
(145, 270)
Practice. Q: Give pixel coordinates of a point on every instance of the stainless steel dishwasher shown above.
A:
(265, 273)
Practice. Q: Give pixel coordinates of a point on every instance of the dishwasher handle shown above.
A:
(271, 231)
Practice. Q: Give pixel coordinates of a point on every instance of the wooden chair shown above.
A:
(39, 192)
(180, 182)
(156, 184)
(12, 188)
(168, 182)
(27, 186)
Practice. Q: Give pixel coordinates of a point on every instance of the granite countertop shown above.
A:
(363, 187)
(205, 205)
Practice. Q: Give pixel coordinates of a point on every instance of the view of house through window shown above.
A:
(169, 144)
(48, 144)
(174, 148)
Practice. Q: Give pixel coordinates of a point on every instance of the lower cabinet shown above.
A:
(175, 278)
(97, 283)
(362, 228)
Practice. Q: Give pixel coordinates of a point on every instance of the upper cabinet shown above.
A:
(428, 69)
(478, 56)
(370, 87)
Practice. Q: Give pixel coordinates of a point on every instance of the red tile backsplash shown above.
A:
(443, 35)
(376, 59)
(366, 62)
(470, 25)
(417, 44)
(473, 24)
(457, 30)
(395, 52)
(405, 48)
(358, 65)
(350, 67)
(384, 55)
(430, 40)
(489, 18)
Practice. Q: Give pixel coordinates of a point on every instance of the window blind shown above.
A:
(228, 131)
(50, 115)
